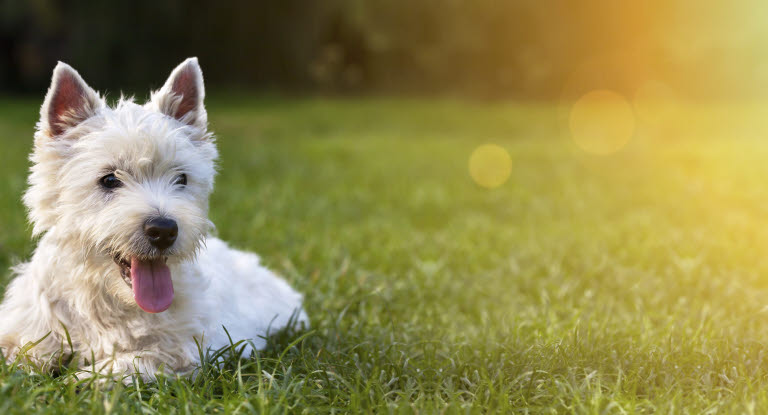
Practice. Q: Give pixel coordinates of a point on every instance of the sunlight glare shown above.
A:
(602, 122)
(655, 103)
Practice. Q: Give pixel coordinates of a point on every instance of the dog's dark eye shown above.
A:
(180, 179)
(110, 181)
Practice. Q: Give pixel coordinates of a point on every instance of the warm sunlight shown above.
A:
(602, 122)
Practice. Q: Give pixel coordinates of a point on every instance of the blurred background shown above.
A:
(523, 49)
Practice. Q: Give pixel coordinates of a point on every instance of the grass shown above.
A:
(630, 283)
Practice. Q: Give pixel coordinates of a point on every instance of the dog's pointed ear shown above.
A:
(182, 95)
(69, 102)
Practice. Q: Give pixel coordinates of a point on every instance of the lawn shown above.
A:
(635, 282)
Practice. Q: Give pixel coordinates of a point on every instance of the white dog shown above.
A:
(125, 265)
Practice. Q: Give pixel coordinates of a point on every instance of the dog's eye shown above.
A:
(180, 179)
(110, 181)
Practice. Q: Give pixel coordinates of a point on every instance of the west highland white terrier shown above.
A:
(126, 274)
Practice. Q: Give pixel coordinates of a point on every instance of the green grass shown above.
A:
(631, 283)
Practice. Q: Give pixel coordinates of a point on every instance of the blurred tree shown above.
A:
(510, 48)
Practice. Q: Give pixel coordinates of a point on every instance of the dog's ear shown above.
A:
(182, 95)
(69, 102)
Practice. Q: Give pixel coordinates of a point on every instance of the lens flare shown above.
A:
(490, 166)
(602, 122)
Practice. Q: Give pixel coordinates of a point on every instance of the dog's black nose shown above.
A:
(161, 232)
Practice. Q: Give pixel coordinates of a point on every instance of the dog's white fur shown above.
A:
(72, 280)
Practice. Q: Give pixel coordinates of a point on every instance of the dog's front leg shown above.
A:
(121, 367)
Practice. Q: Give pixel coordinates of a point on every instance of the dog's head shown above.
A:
(126, 185)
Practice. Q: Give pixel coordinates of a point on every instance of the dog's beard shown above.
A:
(146, 270)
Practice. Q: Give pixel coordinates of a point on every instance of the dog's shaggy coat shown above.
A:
(83, 279)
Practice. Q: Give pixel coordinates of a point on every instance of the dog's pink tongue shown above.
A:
(152, 285)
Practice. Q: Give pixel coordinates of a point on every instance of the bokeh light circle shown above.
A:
(490, 166)
(602, 122)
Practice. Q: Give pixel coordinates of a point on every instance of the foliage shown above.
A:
(486, 48)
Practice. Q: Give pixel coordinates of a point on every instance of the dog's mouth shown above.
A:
(150, 280)
(125, 269)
